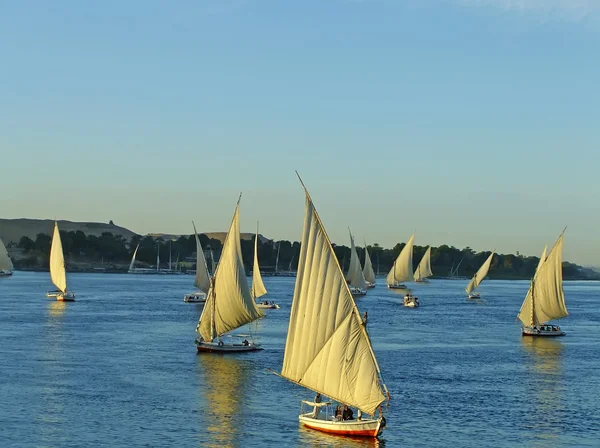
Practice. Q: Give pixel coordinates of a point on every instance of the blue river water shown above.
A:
(118, 367)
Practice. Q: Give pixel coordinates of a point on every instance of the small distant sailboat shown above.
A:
(202, 279)
(368, 270)
(133, 269)
(328, 349)
(258, 287)
(424, 269)
(478, 278)
(58, 273)
(402, 271)
(545, 300)
(6, 266)
(411, 301)
(229, 304)
(355, 276)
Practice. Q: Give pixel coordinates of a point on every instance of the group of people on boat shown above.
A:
(341, 413)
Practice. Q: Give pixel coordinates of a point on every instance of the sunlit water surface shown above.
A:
(118, 367)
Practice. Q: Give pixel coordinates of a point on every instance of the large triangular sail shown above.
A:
(202, 279)
(542, 258)
(5, 263)
(58, 273)
(258, 287)
(368, 268)
(545, 299)
(480, 274)
(327, 347)
(424, 268)
(133, 258)
(229, 304)
(402, 271)
(355, 275)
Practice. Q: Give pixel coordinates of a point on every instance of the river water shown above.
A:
(118, 367)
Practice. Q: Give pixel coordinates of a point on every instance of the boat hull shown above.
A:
(411, 302)
(399, 286)
(211, 347)
(5, 273)
(352, 428)
(195, 297)
(548, 331)
(357, 292)
(271, 306)
(421, 280)
(61, 296)
(474, 296)
(371, 285)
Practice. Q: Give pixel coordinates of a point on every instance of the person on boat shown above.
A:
(221, 342)
(365, 318)
(338, 412)
(245, 342)
(347, 414)
(317, 409)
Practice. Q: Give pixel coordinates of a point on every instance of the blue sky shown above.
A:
(471, 122)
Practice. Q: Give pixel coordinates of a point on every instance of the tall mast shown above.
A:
(170, 254)
(157, 255)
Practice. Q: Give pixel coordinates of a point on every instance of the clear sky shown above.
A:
(474, 122)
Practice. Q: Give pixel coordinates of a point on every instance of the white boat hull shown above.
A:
(357, 292)
(474, 296)
(421, 280)
(542, 331)
(4, 273)
(61, 296)
(214, 347)
(371, 285)
(268, 306)
(195, 297)
(352, 428)
(397, 286)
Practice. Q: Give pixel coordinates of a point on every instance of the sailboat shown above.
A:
(424, 269)
(258, 287)
(277, 259)
(402, 270)
(478, 278)
(133, 269)
(368, 270)
(545, 300)
(355, 276)
(229, 304)
(6, 266)
(328, 349)
(58, 273)
(202, 279)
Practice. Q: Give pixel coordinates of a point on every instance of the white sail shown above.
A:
(277, 257)
(368, 268)
(202, 280)
(327, 348)
(229, 304)
(542, 259)
(480, 274)
(355, 274)
(5, 263)
(157, 256)
(424, 268)
(258, 287)
(545, 299)
(402, 271)
(133, 258)
(58, 273)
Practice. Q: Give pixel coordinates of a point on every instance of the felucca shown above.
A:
(202, 279)
(328, 349)
(545, 300)
(355, 276)
(229, 304)
(368, 270)
(478, 278)
(402, 271)
(6, 266)
(424, 269)
(258, 287)
(58, 273)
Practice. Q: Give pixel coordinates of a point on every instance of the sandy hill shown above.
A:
(11, 230)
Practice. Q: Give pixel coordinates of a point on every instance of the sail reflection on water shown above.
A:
(545, 389)
(222, 384)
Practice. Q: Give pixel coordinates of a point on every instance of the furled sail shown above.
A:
(368, 268)
(258, 287)
(424, 268)
(202, 280)
(133, 258)
(480, 274)
(402, 271)
(327, 348)
(355, 274)
(5, 263)
(58, 273)
(229, 304)
(545, 299)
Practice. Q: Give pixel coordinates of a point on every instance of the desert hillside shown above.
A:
(11, 230)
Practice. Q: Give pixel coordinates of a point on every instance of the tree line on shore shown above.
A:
(116, 250)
